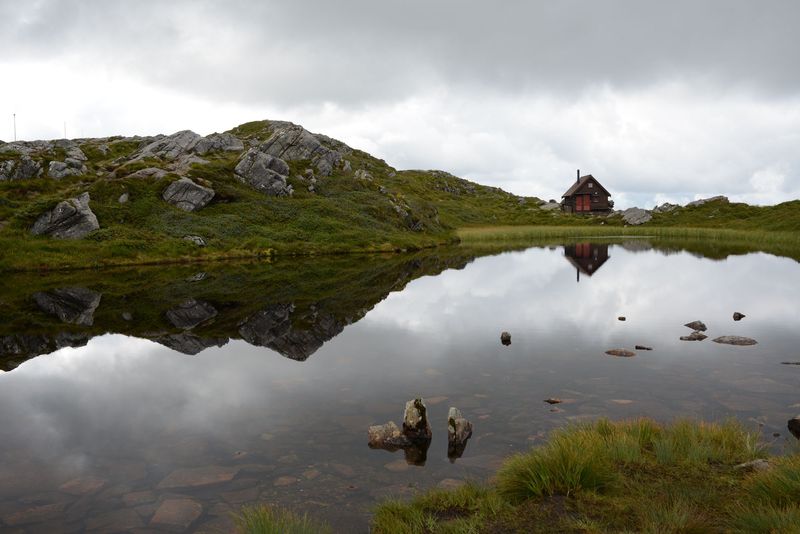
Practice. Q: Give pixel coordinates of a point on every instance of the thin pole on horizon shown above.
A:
(65, 129)
(15, 127)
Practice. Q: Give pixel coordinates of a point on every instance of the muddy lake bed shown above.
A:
(166, 398)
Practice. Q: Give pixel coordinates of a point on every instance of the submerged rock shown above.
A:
(735, 340)
(74, 305)
(738, 316)
(694, 336)
(459, 430)
(187, 195)
(621, 353)
(697, 325)
(70, 219)
(505, 338)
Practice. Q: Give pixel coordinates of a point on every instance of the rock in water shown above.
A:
(74, 305)
(735, 340)
(415, 420)
(387, 436)
(553, 400)
(636, 216)
(642, 347)
(697, 325)
(264, 172)
(738, 316)
(694, 336)
(191, 313)
(505, 338)
(70, 219)
(621, 318)
(459, 430)
(187, 195)
(794, 426)
(621, 353)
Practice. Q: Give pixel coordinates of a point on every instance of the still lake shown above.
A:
(167, 398)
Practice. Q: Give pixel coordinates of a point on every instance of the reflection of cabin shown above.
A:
(586, 257)
(586, 196)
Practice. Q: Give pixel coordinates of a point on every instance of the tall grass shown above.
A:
(269, 520)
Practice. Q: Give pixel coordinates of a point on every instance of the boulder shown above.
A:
(754, 465)
(700, 202)
(387, 436)
(123, 198)
(505, 338)
(170, 147)
(738, 316)
(697, 325)
(694, 336)
(191, 313)
(666, 207)
(550, 206)
(23, 168)
(73, 305)
(70, 219)
(149, 172)
(415, 420)
(794, 426)
(218, 142)
(459, 430)
(291, 142)
(187, 195)
(264, 172)
(636, 216)
(735, 340)
(196, 239)
(642, 347)
(68, 167)
(414, 438)
(621, 353)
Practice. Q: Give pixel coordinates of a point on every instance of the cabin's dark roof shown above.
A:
(579, 183)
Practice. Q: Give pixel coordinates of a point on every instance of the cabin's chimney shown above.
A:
(578, 177)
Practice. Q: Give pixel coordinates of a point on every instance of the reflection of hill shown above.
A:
(290, 306)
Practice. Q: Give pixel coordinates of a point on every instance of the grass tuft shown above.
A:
(270, 520)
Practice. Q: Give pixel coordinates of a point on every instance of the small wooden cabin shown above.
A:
(586, 195)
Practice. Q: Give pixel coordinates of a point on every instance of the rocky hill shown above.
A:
(261, 188)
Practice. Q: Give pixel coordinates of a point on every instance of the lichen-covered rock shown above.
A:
(387, 436)
(170, 147)
(735, 340)
(73, 305)
(264, 172)
(23, 168)
(550, 206)
(666, 207)
(218, 142)
(187, 195)
(68, 167)
(149, 172)
(459, 430)
(700, 202)
(636, 216)
(70, 219)
(697, 325)
(415, 420)
(291, 142)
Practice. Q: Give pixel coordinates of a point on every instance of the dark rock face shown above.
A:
(697, 325)
(794, 426)
(735, 340)
(188, 343)
(264, 172)
(17, 348)
(70, 219)
(694, 336)
(738, 316)
(505, 338)
(68, 167)
(74, 305)
(23, 168)
(291, 142)
(217, 142)
(191, 313)
(187, 195)
(459, 430)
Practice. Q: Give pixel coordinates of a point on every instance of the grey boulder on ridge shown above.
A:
(70, 219)
(187, 195)
(264, 172)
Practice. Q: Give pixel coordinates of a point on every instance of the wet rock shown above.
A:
(642, 347)
(198, 476)
(191, 313)
(552, 400)
(735, 340)
(754, 465)
(794, 426)
(415, 421)
(505, 338)
(70, 219)
(621, 318)
(264, 172)
(738, 316)
(285, 481)
(73, 305)
(697, 325)
(82, 486)
(34, 514)
(700, 202)
(694, 336)
(414, 438)
(459, 430)
(386, 436)
(636, 216)
(176, 514)
(195, 239)
(621, 353)
(124, 520)
(187, 195)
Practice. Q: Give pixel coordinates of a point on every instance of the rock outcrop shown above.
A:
(191, 313)
(291, 142)
(218, 142)
(700, 202)
(170, 147)
(636, 216)
(264, 172)
(23, 168)
(459, 430)
(72, 305)
(666, 207)
(68, 167)
(70, 219)
(697, 325)
(187, 195)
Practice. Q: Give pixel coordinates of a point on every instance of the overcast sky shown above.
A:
(661, 101)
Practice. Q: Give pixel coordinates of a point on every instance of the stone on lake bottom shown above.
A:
(552, 400)
(621, 353)
(697, 325)
(177, 513)
(450, 483)
(34, 514)
(284, 481)
(123, 520)
(82, 486)
(735, 340)
(694, 336)
(198, 476)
